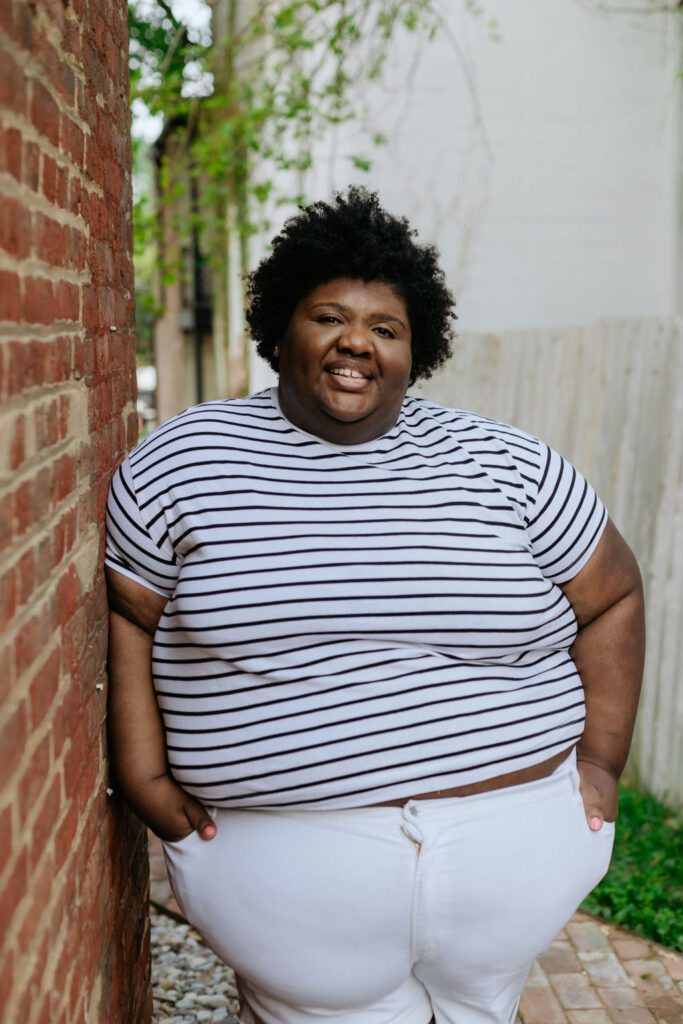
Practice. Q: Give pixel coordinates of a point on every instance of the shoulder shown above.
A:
(479, 434)
(203, 426)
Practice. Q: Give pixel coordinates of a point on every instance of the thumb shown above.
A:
(199, 818)
(594, 813)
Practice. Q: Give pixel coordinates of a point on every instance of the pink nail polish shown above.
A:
(210, 830)
(596, 824)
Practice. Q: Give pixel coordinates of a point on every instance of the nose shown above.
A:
(355, 340)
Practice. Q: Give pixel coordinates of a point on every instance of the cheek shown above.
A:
(400, 365)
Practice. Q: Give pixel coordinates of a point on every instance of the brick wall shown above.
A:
(73, 870)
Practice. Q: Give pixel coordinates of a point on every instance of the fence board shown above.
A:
(610, 397)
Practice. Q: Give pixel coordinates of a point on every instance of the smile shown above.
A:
(348, 373)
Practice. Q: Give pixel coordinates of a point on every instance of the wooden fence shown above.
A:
(610, 398)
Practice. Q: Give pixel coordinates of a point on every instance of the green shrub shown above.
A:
(643, 889)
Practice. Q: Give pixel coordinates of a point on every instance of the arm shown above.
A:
(607, 599)
(135, 729)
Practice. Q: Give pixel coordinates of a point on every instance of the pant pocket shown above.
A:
(180, 860)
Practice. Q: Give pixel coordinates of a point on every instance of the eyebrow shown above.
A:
(347, 309)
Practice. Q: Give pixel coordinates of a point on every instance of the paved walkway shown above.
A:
(593, 973)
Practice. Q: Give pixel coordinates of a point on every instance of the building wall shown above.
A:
(73, 870)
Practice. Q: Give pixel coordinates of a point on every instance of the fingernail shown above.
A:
(596, 824)
(209, 831)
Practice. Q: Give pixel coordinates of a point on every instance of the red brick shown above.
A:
(32, 783)
(15, 227)
(7, 673)
(674, 964)
(64, 477)
(13, 736)
(15, 888)
(25, 576)
(17, 448)
(77, 198)
(64, 408)
(67, 83)
(49, 239)
(10, 151)
(632, 949)
(47, 817)
(31, 164)
(6, 834)
(49, 177)
(67, 301)
(42, 499)
(46, 424)
(62, 197)
(26, 644)
(45, 560)
(45, 113)
(8, 599)
(539, 1006)
(71, 40)
(72, 141)
(21, 512)
(67, 594)
(38, 300)
(7, 506)
(44, 685)
(12, 85)
(65, 834)
(45, 54)
(10, 296)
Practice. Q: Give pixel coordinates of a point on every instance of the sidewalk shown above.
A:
(593, 973)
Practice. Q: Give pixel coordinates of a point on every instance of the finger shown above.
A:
(594, 815)
(199, 818)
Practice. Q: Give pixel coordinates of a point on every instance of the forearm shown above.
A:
(137, 742)
(609, 653)
(136, 736)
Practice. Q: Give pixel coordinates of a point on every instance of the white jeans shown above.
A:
(386, 915)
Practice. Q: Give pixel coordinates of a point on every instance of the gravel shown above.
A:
(190, 984)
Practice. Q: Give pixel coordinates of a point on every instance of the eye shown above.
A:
(384, 332)
(328, 318)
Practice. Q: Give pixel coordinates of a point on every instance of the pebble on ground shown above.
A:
(190, 984)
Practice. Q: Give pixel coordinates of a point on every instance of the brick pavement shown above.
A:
(593, 972)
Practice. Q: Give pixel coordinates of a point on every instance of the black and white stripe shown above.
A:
(347, 625)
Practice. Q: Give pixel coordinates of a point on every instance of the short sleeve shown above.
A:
(130, 547)
(565, 520)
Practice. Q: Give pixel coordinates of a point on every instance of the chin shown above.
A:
(346, 415)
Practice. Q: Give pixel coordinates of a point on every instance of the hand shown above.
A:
(170, 812)
(599, 793)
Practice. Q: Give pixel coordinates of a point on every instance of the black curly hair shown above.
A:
(352, 236)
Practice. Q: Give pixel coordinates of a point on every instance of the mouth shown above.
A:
(344, 371)
(349, 378)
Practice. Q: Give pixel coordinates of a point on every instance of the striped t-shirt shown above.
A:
(352, 624)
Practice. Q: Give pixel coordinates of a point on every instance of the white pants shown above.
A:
(386, 915)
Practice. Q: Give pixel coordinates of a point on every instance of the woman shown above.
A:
(397, 651)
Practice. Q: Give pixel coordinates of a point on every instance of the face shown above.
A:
(345, 361)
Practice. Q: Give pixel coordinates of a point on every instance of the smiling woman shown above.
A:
(374, 663)
(345, 361)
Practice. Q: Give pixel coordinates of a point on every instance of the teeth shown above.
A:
(347, 373)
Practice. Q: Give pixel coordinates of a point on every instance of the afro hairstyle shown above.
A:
(352, 237)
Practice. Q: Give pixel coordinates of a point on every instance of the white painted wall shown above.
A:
(546, 166)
